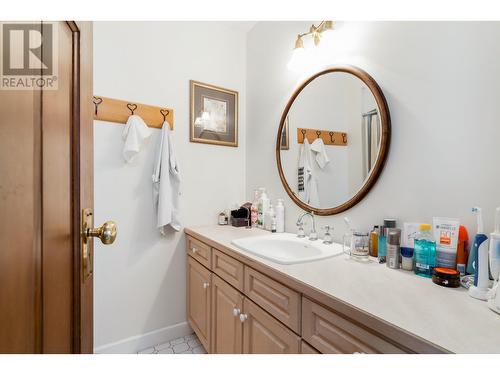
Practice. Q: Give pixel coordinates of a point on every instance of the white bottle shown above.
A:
(280, 216)
(263, 206)
(268, 217)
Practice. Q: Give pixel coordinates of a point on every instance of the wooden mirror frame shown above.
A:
(385, 121)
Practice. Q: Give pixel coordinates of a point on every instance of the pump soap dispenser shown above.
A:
(479, 261)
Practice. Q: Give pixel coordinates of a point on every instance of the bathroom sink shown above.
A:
(287, 248)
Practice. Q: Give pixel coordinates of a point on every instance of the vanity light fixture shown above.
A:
(316, 32)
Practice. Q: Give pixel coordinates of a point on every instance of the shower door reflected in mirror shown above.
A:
(338, 136)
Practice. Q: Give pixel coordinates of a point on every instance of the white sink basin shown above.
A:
(287, 248)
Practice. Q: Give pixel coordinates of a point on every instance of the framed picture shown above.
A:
(284, 145)
(213, 115)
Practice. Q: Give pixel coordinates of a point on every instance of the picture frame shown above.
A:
(285, 136)
(213, 114)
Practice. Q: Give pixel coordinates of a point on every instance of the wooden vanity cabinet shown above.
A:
(233, 308)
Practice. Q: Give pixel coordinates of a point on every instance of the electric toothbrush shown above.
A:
(494, 296)
(479, 262)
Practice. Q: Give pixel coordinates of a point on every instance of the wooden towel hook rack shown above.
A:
(118, 111)
(330, 138)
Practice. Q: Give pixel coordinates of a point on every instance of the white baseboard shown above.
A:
(134, 344)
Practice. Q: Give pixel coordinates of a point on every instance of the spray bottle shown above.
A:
(478, 259)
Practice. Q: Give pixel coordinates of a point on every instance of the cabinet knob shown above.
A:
(194, 249)
(243, 317)
(236, 311)
(206, 285)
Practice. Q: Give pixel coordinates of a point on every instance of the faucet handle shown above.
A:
(300, 231)
(327, 239)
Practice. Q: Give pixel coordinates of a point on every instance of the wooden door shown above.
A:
(263, 334)
(40, 193)
(199, 298)
(227, 329)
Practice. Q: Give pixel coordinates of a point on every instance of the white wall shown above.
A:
(140, 280)
(441, 82)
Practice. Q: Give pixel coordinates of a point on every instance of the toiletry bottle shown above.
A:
(425, 251)
(254, 210)
(273, 223)
(262, 207)
(374, 241)
(446, 236)
(462, 250)
(381, 245)
(280, 216)
(388, 224)
(479, 253)
(407, 258)
(268, 216)
(393, 250)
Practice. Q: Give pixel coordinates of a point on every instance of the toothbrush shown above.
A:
(479, 262)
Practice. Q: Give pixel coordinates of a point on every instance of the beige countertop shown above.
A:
(444, 316)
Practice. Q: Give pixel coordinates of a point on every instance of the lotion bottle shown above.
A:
(262, 206)
(280, 216)
(268, 217)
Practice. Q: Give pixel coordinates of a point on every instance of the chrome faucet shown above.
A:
(313, 236)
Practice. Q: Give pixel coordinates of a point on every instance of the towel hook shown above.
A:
(318, 133)
(96, 100)
(164, 113)
(132, 107)
(344, 137)
(331, 137)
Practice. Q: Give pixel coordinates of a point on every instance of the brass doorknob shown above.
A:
(106, 232)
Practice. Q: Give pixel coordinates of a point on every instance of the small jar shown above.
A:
(407, 258)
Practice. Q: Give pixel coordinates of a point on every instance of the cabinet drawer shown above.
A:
(281, 302)
(228, 268)
(332, 333)
(305, 348)
(199, 251)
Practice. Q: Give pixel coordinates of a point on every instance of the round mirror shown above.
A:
(333, 140)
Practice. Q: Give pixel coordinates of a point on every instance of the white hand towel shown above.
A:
(318, 147)
(135, 134)
(166, 183)
(308, 186)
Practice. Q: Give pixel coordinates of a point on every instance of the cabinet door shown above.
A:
(199, 288)
(263, 334)
(227, 329)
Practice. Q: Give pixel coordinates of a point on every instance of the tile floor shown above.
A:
(183, 345)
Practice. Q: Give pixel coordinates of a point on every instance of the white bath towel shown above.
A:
(166, 183)
(307, 184)
(135, 134)
(318, 147)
